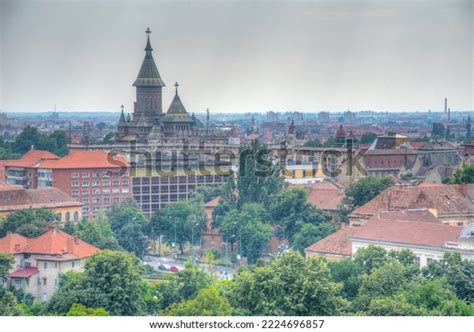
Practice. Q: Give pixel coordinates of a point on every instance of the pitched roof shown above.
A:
(421, 215)
(411, 232)
(148, 74)
(325, 195)
(446, 199)
(31, 158)
(25, 272)
(13, 243)
(53, 242)
(338, 243)
(86, 159)
(176, 112)
(16, 198)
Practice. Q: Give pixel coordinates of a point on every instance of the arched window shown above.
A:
(76, 216)
(68, 216)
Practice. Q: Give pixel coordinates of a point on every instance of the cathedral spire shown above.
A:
(148, 47)
(122, 116)
(148, 75)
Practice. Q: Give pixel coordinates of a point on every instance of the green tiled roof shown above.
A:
(149, 75)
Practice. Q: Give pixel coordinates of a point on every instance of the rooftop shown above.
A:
(411, 232)
(54, 242)
(16, 198)
(445, 199)
(338, 243)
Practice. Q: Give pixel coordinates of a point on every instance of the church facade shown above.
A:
(148, 123)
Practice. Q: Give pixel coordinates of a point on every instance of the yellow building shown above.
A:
(15, 198)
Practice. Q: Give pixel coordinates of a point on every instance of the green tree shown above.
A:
(55, 142)
(349, 273)
(258, 178)
(129, 225)
(9, 305)
(6, 263)
(438, 130)
(458, 273)
(182, 286)
(82, 310)
(364, 190)
(368, 138)
(309, 234)
(28, 222)
(208, 302)
(290, 210)
(249, 226)
(98, 232)
(290, 286)
(371, 257)
(111, 279)
(179, 222)
(465, 174)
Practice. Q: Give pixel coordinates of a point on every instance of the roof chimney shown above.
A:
(463, 188)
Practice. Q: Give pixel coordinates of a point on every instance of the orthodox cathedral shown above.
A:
(148, 122)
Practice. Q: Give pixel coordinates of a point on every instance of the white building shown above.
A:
(40, 261)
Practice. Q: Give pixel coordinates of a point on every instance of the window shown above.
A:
(55, 264)
(95, 175)
(17, 281)
(74, 175)
(45, 281)
(85, 183)
(125, 191)
(96, 191)
(75, 193)
(125, 183)
(95, 183)
(95, 200)
(106, 183)
(106, 191)
(106, 200)
(74, 184)
(115, 191)
(85, 192)
(85, 201)
(116, 183)
(86, 175)
(68, 216)
(76, 216)
(105, 175)
(45, 265)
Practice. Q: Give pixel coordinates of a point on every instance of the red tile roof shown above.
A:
(13, 243)
(411, 232)
(325, 195)
(31, 158)
(24, 273)
(53, 242)
(16, 198)
(446, 199)
(338, 243)
(86, 159)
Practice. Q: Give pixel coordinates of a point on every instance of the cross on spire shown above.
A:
(122, 107)
(176, 85)
(148, 31)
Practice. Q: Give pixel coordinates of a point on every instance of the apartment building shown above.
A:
(96, 179)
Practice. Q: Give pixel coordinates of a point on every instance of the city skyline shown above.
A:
(238, 57)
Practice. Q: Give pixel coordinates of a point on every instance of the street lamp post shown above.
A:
(192, 241)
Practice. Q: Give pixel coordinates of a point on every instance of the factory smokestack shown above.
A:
(445, 105)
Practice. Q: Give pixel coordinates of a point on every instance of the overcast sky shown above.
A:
(239, 56)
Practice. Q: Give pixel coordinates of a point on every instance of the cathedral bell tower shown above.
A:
(148, 105)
